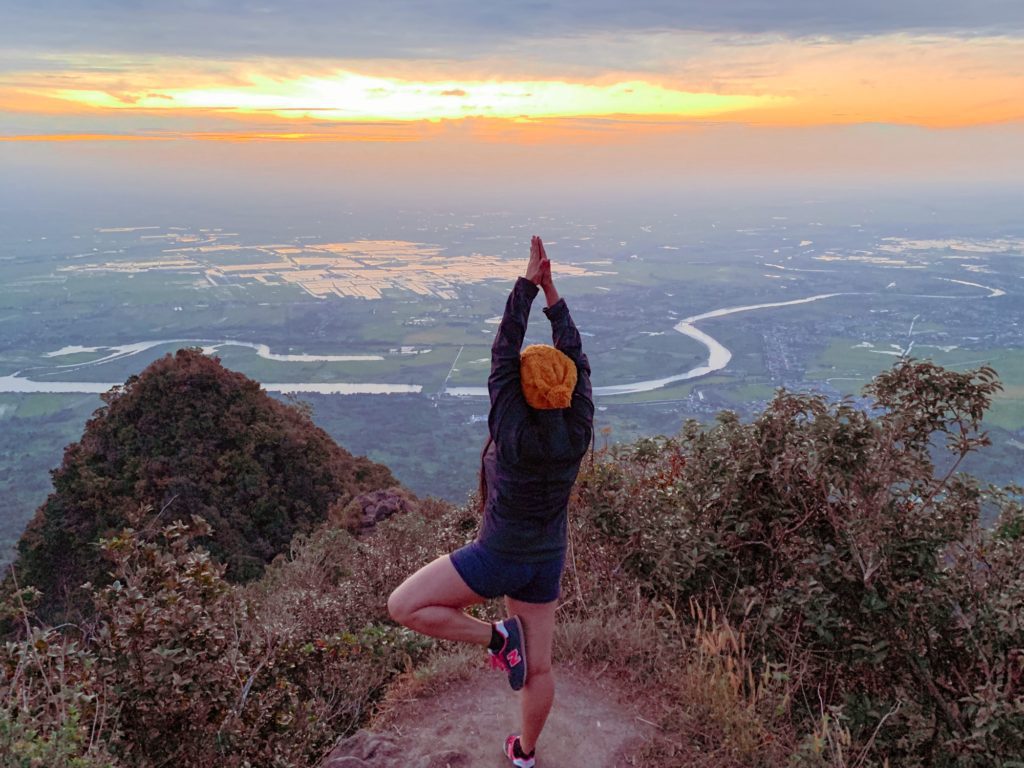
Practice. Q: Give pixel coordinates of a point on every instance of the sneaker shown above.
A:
(514, 752)
(512, 656)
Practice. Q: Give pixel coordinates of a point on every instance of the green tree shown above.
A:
(825, 534)
(188, 437)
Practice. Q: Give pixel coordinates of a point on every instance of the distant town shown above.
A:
(363, 269)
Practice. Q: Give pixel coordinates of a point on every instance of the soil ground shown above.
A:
(463, 723)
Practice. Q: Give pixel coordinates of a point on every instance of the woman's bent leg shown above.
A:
(431, 600)
(539, 692)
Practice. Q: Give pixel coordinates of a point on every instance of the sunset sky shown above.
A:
(921, 88)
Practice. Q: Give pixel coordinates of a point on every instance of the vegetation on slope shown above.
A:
(800, 590)
(177, 666)
(842, 604)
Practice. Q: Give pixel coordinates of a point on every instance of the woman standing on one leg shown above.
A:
(540, 424)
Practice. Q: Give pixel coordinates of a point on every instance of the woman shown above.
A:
(540, 424)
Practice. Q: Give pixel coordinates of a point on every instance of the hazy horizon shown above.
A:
(451, 100)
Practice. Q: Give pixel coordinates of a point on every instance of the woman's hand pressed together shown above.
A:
(546, 282)
(535, 267)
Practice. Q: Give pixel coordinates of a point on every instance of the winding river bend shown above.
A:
(24, 384)
(718, 358)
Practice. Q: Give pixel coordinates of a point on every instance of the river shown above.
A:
(718, 358)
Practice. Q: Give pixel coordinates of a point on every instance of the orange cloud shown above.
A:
(62, 137)
(934, 82)
(226, 136)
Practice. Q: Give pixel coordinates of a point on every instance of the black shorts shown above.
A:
(491, 575)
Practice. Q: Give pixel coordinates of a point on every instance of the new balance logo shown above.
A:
(513, 657)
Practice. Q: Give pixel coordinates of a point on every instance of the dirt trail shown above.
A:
(464, 725)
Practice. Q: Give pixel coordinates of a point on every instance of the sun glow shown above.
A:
(354, 97)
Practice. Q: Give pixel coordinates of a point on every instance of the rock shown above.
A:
(449, 758)
(362, 513)
(364, 750)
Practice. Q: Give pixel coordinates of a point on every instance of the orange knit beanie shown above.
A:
(548, 377)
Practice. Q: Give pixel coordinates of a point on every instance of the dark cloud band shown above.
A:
(454, 29)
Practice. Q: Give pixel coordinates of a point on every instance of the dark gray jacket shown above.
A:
(534, 456)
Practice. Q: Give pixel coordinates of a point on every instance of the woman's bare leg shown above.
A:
(539, 692)
(431, 600)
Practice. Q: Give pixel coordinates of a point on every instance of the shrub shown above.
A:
(54, 710)
(178, 666)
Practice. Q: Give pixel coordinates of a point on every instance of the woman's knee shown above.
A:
(436, 583)
(399, 606)
(540, 677)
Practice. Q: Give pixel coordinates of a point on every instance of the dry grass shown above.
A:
(692, 677)
(448, 664)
